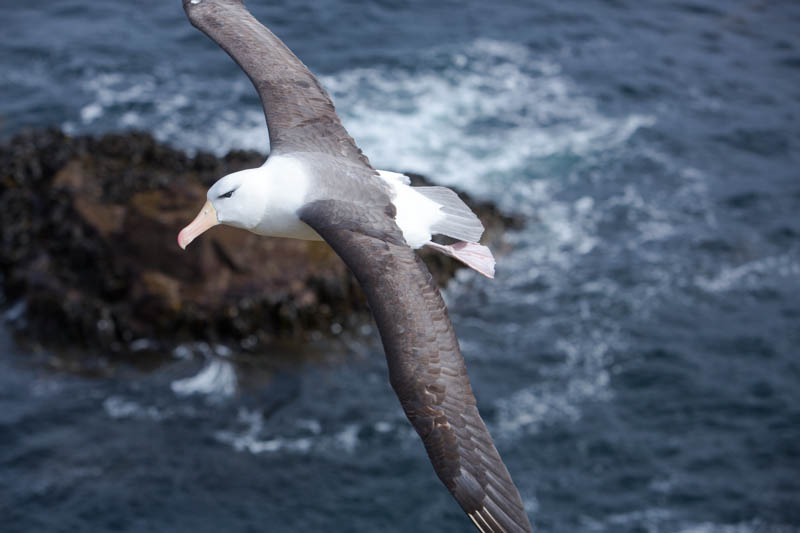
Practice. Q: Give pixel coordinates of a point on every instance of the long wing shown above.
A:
(300, 114)
(426, 368)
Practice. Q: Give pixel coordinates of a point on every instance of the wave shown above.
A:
(772, 272)
(489, 115)
(306, 436)
(658, 520)
(216, 379)
(487, 111)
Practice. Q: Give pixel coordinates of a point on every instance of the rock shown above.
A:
(88, 232)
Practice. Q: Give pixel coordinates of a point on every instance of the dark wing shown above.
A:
(426, 368)
(300, 115)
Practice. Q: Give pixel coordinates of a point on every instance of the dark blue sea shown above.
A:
(637, 358)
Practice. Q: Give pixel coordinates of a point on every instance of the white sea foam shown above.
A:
(251, 440)
(166, 103)
(493, 112)
(140, 345)
(216, 379)
(313, 426)
(118, 407)
(753, 274)
(304, 436)
(201, 350)
(16, 311)
(750, 527)
(348, 437)
(582, 377)
(382, 427)
(659, 520)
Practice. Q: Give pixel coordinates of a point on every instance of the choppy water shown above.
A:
(636, 358)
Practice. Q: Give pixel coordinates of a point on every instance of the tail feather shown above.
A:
(459, 221)
(475, 256)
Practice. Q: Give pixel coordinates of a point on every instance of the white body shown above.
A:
(266, 201)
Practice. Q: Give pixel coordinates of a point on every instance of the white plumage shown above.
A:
(266, 201)
(416, 214)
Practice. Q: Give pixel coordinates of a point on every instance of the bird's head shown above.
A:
(234, 200)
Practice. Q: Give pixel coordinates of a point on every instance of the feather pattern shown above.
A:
(300, 114)
(459, 222)
(426, 368)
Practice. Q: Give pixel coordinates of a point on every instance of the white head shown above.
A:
(235, 200)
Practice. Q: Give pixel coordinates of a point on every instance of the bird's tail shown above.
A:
(459, 222)
(476, 256)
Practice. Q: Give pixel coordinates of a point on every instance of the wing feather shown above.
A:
(426, 368)
(300, 114)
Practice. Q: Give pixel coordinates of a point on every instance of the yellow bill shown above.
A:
(205, 219)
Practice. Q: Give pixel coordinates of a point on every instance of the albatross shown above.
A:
(316, 184)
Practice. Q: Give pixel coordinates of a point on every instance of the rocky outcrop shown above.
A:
(88, 250)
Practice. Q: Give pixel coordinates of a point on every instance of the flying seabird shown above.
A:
(316, 184)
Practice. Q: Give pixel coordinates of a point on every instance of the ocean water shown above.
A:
(636, 358)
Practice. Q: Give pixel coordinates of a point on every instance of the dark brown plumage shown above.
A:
(300, 114)
(352, 211)
(426, 368)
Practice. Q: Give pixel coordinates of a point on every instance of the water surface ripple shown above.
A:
(636, 358)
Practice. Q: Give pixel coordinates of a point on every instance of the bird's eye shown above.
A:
(226, 195)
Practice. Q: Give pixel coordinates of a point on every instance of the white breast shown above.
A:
(286, 181)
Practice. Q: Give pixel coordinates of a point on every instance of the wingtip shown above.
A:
(189, 7)
(192, 3)
(192, 6)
